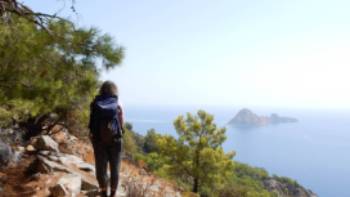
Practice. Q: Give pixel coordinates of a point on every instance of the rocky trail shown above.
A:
(59, 164)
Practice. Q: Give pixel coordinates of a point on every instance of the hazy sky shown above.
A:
(280, 53)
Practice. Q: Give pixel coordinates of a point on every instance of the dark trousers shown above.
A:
(105, 154)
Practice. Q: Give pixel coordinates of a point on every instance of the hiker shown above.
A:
(106, 130)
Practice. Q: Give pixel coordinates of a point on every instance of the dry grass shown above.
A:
(138, 188)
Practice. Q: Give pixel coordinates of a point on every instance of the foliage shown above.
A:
(150, 141)
(42, 73)
(172, 159)
(196, 158)
(189, 194)
(129, 145)
(200, 155)
(287, 181)
(246, 181)
(238, 190)
(244, 170)
(133, 142)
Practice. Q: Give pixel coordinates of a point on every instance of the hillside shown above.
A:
(59, 164)
(247, 176)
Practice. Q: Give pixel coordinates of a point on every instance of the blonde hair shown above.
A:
(109, 88)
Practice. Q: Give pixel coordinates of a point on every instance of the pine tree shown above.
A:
(197, 156)
(41, 73)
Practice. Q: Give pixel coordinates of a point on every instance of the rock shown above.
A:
(76, 161)
(12, 135)
(3, 179)
(72, 138)
(54, 161)
(284, 187)
(59, 191)
(68, 158)
(45, 142)
(44, 165)
(72, 183)
(20, 148)
(36, 176)
(17, 155)
(276, 119)
(88, 186)
(6, 154)
(44, 153)
(67, 185)
(59, 134)
(143, 172)
(54, 158)
(271, 184)
(86, 167)
(30, 148)
(245, 118)
(92, 193)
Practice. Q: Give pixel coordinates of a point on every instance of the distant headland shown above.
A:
(245, 118)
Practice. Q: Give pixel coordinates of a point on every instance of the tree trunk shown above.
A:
(195, 185)
(195, 188)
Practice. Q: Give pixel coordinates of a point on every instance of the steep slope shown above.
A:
(60, 164)
(247, 177)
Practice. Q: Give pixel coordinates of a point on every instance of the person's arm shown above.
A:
(121, 118)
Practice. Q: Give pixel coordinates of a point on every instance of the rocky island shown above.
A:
(247, 119)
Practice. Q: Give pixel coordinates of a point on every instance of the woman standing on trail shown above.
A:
(106, 130)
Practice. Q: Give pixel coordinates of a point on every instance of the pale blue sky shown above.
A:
(265, 53)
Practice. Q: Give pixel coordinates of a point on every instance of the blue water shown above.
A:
(315, 151)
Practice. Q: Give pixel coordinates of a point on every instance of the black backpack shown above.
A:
(106, 111)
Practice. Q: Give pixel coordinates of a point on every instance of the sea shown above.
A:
(315, 151)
